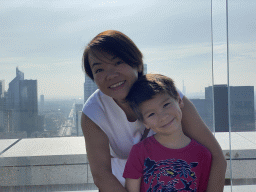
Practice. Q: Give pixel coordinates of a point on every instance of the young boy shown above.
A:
(168, 160)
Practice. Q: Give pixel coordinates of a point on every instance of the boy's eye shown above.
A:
(166, 104)
(151, 114)
(119, 62)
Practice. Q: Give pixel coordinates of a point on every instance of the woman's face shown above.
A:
(112, 75)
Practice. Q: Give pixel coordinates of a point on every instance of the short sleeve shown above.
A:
(134, 165)
(206, 171)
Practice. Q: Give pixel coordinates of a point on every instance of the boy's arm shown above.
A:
(194, 127)
(132, 185)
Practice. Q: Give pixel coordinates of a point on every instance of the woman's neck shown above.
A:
(130, 115)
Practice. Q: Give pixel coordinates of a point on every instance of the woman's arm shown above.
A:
(98, 154)
(194, 127)
(132, 185)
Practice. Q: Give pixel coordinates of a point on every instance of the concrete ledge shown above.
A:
(56, 188)
(45, 175)
(61, 163)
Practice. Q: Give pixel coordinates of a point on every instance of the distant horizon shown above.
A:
(194, 95)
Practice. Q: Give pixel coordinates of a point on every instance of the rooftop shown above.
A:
(61, 163)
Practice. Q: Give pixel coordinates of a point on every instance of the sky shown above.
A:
(46, 39)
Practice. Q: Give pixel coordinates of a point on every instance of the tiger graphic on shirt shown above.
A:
(169, 175)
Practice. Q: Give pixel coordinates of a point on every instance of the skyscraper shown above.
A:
(78, 112)
(2, 87)
(89, 87)
(42, 102)
(28, 106)
(14, 102)
(22, 108)
(2, 106)
(241, 107)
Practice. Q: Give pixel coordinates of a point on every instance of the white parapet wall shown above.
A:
(44, 161)
(62, 162)
(242, 155)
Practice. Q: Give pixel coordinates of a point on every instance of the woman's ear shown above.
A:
(181, 103)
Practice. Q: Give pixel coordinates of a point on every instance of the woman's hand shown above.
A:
(98, 154)
(194, 127)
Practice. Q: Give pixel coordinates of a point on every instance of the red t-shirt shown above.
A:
(165, 169)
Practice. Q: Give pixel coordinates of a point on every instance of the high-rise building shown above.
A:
(28, 106)
(78, 113)
(2, 106)
(2, 88)
(22, 108)
(41, 102)
(89, 87)
(14, 102)
(241, 108)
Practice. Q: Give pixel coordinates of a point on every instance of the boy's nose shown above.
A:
(164, 116)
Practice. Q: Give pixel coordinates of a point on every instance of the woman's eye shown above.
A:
(98, 70)
(166, 104)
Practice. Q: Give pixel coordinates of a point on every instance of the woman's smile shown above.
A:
(117, 85)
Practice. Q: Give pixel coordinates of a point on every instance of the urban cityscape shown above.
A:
(24, 114)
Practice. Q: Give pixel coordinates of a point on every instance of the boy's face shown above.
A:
(162, 114)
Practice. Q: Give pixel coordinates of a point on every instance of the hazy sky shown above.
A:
(45, 39)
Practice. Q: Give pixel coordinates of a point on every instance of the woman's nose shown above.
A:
(111, 72)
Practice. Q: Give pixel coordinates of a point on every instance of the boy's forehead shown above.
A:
(155, 100)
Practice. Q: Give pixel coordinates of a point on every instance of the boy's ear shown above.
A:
(181, 103)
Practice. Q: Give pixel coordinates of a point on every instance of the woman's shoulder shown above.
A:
(94, 103)
(96, 100)
(93, 98)
(98, 105)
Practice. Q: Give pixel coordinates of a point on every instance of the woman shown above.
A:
(110, 126)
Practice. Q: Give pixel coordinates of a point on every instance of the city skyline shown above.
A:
(21, 115)
(88, 83)
(46, 40)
